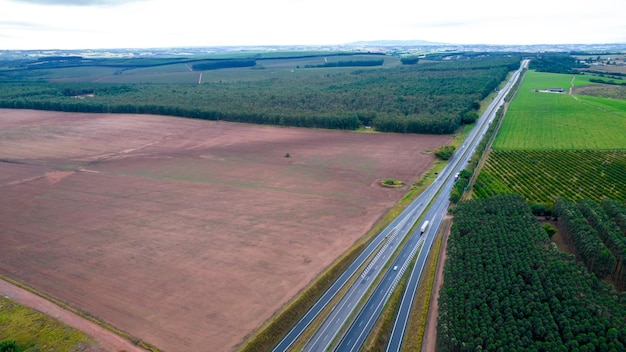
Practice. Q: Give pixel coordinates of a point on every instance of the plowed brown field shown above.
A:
(187, 234)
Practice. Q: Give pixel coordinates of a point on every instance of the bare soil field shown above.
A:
(187, 234)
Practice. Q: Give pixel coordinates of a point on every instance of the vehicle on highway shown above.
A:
(424, 226)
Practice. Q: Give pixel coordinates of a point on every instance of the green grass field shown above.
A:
(35, 331)
(558, 145)
(552, 121)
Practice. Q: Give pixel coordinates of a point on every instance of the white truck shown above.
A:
(424, 227)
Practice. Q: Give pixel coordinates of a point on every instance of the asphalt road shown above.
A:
(364, 322)
(440, 207)
(391, 240)
(384, 245)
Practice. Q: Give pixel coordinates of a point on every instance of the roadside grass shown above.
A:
(35, 331)
(123, 334)
(560, 121)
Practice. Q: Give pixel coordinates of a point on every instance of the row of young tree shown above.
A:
(427, 98)
(465, 175)
(616, 211)
(598, 241)
(506, 289)
(349, 63)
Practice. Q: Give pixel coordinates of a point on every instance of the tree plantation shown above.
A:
(430, 97)
(616, 211)
(506, 288)
(597, 240)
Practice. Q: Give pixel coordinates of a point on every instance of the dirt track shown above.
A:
(106, 339)
(187, 234)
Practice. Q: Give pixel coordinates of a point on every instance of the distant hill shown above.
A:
(395, 43)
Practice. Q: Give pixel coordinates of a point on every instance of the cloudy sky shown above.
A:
(96, 24)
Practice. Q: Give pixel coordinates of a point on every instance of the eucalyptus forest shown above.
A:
(597, 239)
(507, 288)
(432, 97)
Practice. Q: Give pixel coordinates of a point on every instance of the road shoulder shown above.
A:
(430, 335)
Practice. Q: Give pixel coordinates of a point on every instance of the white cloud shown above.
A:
(76, 2)
(35, 24)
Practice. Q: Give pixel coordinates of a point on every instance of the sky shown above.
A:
(104, 24)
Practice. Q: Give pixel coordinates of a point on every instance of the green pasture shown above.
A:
(552, 121)
(35, 331)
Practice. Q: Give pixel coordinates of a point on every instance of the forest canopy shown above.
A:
(432, 97)
(507, 289)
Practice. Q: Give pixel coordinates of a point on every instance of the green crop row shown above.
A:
(542, 176)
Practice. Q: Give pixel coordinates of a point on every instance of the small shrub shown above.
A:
(8, 346)
(549, 229)
(445, 152)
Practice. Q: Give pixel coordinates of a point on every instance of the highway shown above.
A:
(384, 244)
(365, 321)
(379, 253)
(440, 207)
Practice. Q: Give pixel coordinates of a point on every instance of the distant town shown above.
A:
(383, 46)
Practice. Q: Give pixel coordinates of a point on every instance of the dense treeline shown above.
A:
(506, 289)
(218, 64)
(426, 98)
(586, 240)
(603, 81)
(556, 63)
(47, 62)
(409, 60)
(610, 235)
(349, 63)
(463, 181)
(616, 211)
(460, 185)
